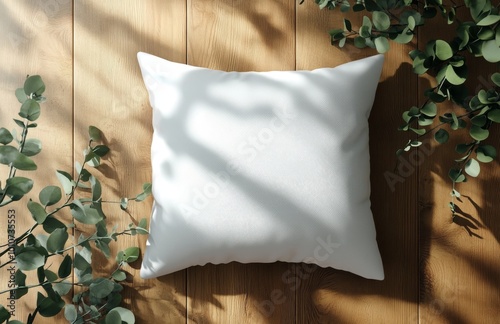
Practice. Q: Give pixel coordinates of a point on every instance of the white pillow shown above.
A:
(261, 167)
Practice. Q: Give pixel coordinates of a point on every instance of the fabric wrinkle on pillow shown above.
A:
(261, 167)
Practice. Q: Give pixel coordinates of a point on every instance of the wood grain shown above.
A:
(437, 271)
(460, 264)
(109, 94)
(332, 296)
(36, 39)
(241, 36)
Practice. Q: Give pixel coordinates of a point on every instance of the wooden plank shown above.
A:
(36, 38)
(241, 35)
(332, 296)
(460, 267)
(109, 93)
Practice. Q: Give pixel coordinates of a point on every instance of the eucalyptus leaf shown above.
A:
(381, 44)
(472, 168)
(70, 313)
(49, 307)
(495, 77)
(51, 224)
(101, 288)
(5, 136)
(125, 315)
(443, 50)
(441, 136)
(18, 186)
(113, 318)
(381, 20)
(429, 109)
(20, 95)
(20, 281)
(490, 51)
(96, 188)
(62, 288)
(494, 115)
(65, 267)
(57, 240)
(489, 20)
(9, 154)
(486, 153)
(5, 314)
(66, 181)
(478, 133)
(37, 212)
(50, 195)
(29, 260)
(94, 133)
(119, 275)
(30, 109)
(32, 147)
(34, 85)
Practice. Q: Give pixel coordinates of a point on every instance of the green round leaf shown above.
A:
(119, 275)
(49, 307)
(478, 133)
(125, 315)
(101, 288)
(5, 136)
(494, 115)
(113, 318)
(381, 44)
(443, 50)
(56, 240)
(486, 153)
(441, 136)
(404, 37)
(30, 109)
(456, 76)
(381, 20)
(9, 154)
(65, 267)
(34, 85)
(430, 109)
(101, 150)
(51, 224)
(70, 313)
(29, 260)
(32, 147)
(94, 133)
(472, 168)
(18, 186)
(489, 20)
(491, 51)
(50, 195)
(37, 211)
(20, 95)
(62, 288)
(66, 181)
(496, 78)
(131, 254)
(5, 314)
(359, 42)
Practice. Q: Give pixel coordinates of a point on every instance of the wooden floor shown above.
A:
(437, 271)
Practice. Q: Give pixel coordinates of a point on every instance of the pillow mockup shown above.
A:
(261, 167)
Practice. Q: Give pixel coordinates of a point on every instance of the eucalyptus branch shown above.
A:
(46, 283)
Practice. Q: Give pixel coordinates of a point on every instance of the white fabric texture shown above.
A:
(261, 167)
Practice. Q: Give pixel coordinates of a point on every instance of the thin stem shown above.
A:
(40, 285)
